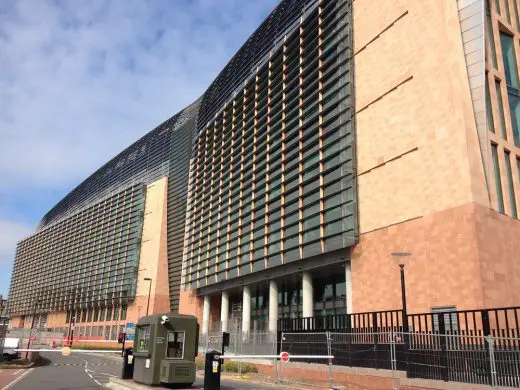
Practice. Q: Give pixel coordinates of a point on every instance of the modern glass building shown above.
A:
(273, 185)
(336, 135)
(84, 261)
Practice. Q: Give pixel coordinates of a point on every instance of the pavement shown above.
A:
(227, 383)
(84, 371)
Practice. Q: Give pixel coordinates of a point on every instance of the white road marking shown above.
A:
(99, 384)
(18, 379)
(102, 373)
(17, 371)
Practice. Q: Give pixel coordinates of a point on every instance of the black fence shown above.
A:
(472, 346)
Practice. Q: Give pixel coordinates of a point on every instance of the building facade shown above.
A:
(339, 133)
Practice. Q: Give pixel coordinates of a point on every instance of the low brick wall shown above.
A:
(353, 378)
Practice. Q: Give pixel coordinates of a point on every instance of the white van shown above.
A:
(10, 344)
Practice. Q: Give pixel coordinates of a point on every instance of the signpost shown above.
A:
(130, 331)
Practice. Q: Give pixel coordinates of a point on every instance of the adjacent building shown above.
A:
(339, 133)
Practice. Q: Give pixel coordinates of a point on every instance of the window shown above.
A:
(107, 332)
(514, 110)
(508, 13)
(491, 40)
(123, 313)
(512, 83)
(102, 315)
(175, 345)
(116, 314)
(509, 58)
(143, 338)
(510, 184)
(500, 109)
(498, 182)
(518, 168)
(489, 110)
(517, 18)
(113, 331)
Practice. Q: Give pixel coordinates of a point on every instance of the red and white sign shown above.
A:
(284, 357)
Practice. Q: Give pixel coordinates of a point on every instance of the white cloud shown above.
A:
(79, 81)
(10, 233)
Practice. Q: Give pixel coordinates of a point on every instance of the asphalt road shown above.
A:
(91, 371)
(77, 371)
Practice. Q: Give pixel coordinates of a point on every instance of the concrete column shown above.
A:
(246, 310)
(348, 286)
(224, 311)
(273, 306)
(307, 291)
(205, 315)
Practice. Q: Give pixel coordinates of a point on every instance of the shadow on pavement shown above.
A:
(42, 361)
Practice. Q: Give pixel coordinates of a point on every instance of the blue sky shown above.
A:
(81, 80)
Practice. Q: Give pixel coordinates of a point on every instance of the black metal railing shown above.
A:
(445, 345)
(378, 321)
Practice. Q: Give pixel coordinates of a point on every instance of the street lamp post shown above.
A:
(400, 258)
(149, 292)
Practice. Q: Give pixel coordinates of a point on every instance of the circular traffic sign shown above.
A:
(65, 351)
(284, 357)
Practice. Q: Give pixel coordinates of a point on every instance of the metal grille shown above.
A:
(180, 152)
(283, 146)
(281, 20)
(89, 259)
(145, 161)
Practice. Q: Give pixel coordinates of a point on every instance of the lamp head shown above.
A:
(401, 257)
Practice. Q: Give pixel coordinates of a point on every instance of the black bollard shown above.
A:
(212, 371)
(128, 364)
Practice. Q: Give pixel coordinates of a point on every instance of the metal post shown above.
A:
(444, 354)
(492, 363)
(393, 360)
(149, 292)
(32, 326)
(406, 330)
(374, 329)
(329, 351)
(403, 298)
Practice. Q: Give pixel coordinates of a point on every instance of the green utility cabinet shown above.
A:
(165, 348)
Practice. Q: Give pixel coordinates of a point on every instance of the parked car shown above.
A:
(10, 344)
